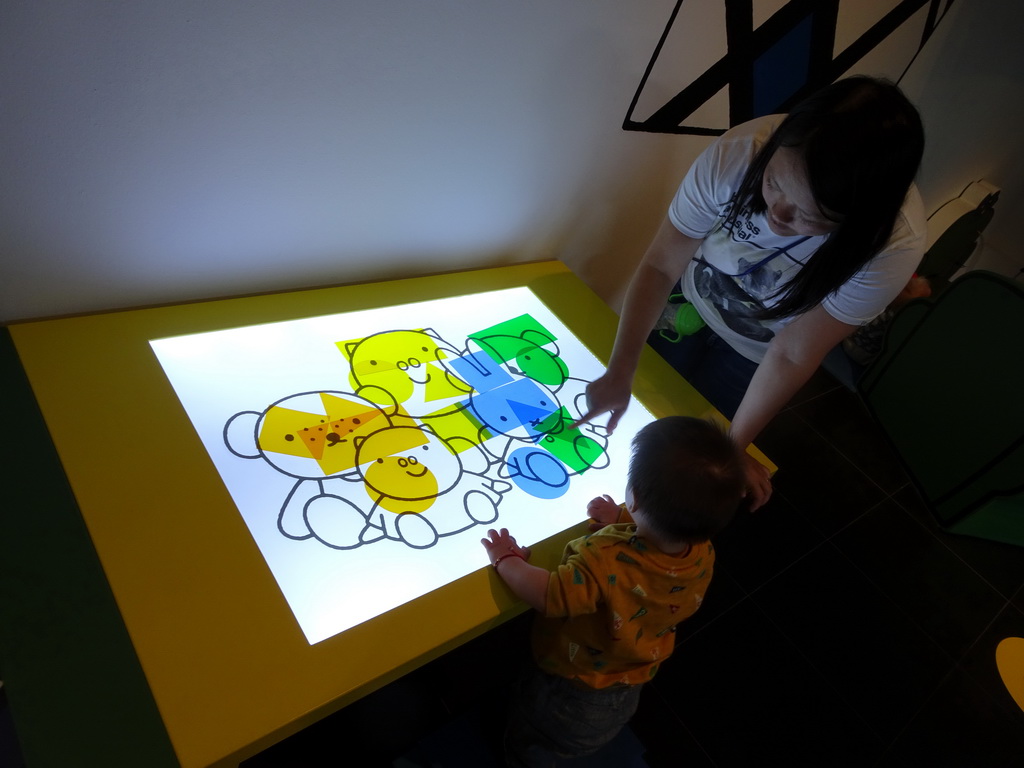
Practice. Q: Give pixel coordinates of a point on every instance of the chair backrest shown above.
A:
(948, 391)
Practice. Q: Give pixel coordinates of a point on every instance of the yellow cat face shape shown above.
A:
(408, 463)
(395, 361)
(398, 362)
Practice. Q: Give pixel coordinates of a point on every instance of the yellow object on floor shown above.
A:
(1010, 662)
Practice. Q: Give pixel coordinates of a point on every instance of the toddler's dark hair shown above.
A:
(686, 475)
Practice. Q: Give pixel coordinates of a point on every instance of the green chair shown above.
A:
(948, 391)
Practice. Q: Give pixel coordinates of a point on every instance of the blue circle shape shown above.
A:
(538, 473)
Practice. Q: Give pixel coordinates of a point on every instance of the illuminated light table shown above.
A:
(156, 634)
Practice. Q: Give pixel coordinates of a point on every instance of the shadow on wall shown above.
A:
(607, 230)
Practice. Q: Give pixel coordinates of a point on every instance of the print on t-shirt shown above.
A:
(756, 277)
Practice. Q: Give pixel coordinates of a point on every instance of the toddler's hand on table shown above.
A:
(602, 511)
(499, 543)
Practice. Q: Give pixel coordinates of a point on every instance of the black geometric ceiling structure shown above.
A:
(769, 69)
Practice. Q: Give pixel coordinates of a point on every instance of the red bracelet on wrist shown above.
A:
(510, 553)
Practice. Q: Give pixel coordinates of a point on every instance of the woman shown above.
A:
(787, 234)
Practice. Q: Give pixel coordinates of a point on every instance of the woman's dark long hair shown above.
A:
(861, 141)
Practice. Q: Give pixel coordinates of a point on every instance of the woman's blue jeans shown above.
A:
(715, 369)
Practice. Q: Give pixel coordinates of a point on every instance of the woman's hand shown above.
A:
(606, 395)
(603, 511)
(792, 357)
(759, 482)
(667, 257)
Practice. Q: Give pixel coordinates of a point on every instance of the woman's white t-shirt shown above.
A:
(738, 269)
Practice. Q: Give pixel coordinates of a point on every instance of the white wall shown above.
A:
(156, 152)
(162, 152)
(968, 83)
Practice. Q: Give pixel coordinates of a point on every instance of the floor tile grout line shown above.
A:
(682, 721)
(709, 622)
(842, 454)
(748, 594)
(910, 721)
(883, 591)
(1018, 593)
(935, 535)
(852, 521)
(792, 404)
(776, 575)
(821, 675)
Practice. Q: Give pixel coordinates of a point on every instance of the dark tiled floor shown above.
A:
(842, 628)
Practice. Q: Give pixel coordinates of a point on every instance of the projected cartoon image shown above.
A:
(369, 451)
(366, 468)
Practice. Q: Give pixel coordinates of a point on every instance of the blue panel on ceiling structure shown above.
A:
(783, 69)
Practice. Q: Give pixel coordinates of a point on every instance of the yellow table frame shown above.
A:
(228, 667)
